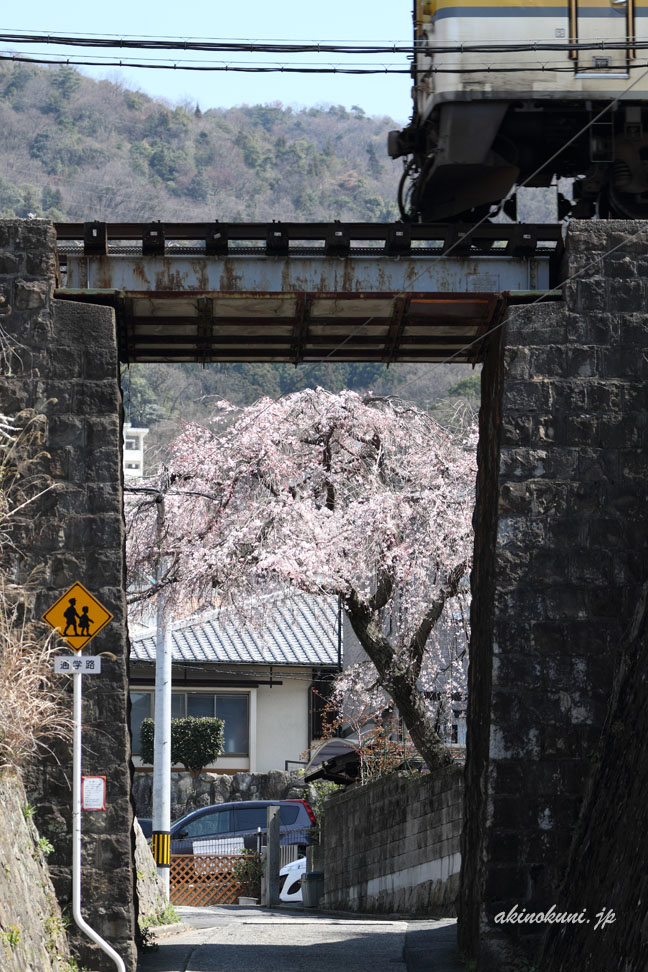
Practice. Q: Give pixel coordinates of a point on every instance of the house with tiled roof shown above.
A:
(264, 679)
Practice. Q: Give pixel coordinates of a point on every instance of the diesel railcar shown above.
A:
(508, 93)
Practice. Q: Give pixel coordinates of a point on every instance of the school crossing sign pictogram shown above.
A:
(77, 616)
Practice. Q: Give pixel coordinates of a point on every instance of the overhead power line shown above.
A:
(212, 46)
(319, 47)
(190, 66)
(265, 68)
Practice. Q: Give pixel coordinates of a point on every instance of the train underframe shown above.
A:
(470, 156)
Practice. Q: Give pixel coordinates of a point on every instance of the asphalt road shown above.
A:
(239, 939)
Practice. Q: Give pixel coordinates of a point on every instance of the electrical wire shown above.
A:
(320, 47)
(268, 68)
(126, 61)
(260, 68)
(185, 66)
(252, 47)
(567, 47)
(20, 32)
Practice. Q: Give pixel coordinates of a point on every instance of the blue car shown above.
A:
(230, 828)
(147, 826)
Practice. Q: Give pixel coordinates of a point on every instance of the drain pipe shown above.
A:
(76, 833)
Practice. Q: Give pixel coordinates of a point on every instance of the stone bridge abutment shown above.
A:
(62, 382)
(561, 557)
(560, 562)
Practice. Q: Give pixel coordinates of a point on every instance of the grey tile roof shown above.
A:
(296, 630)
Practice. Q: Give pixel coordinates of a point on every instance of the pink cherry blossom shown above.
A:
(368, 499)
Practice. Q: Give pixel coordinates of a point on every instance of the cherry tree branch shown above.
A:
(432, 615)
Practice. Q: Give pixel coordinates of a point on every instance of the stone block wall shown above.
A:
(190, 793)
(393, 845)
(561, 554)
(607, 871)
(151, 890)
(63, 377)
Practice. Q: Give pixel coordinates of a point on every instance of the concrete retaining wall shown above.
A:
(393, 845)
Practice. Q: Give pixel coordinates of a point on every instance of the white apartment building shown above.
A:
(133, 453)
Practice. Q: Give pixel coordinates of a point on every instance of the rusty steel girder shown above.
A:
(303, 292)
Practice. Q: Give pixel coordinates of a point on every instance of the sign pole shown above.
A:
(76, 830)
(77, 629)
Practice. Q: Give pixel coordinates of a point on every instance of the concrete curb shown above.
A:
(407, 916)
(163, 931)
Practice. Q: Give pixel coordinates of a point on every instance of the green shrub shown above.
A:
(248, 871)
(195, 743)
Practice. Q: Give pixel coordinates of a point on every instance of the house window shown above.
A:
(132, 443)
(321, 711)
(232, 708)
(141, 703)
(199, 705)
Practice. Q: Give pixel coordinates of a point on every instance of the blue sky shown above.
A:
(350, 20)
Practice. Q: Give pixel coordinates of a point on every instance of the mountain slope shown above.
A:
(79, 149)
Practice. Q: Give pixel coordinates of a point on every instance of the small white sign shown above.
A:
(87, 665)
(93, 793)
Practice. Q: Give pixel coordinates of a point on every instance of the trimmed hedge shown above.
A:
(195, 743)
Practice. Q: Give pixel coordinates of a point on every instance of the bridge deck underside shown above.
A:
(237, 293)
(288, 327)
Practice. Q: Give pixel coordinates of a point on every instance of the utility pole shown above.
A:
(162, 717)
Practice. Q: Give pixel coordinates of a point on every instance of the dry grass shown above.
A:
(35, 709)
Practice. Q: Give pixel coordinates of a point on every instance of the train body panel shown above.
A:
(485, 119)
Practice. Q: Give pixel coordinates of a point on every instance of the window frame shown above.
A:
(194, 690)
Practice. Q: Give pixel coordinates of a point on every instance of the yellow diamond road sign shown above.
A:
(77, 616)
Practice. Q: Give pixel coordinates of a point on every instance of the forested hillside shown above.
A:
(162, 397)
(77, 149)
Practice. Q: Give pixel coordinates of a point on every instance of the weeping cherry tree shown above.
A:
(368, 499)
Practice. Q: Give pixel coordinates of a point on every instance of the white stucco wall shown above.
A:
(282, 722)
